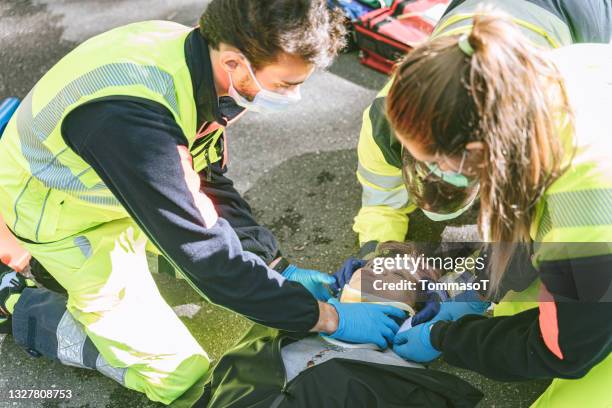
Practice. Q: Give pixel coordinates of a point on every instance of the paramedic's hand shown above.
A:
(415, 344)
(366, 322)
(431, 308)
(346, 271)
(316, 282)
(466, 303)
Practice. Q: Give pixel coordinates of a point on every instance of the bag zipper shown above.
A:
(282, 396)
(286, 384)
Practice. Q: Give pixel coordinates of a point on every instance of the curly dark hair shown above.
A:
(264, 29)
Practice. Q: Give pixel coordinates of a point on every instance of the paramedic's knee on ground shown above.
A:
(115, 301)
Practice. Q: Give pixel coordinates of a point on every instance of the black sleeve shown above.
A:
(519, 274)
(590, 21)
(232, 207)
(564, 338)
(136, 147)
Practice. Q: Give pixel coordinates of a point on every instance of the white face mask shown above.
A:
(265, 101)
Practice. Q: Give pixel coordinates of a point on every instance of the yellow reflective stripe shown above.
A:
(453, 19)
(462, 17)
(538, 30)
(458, 30)
(382, 181)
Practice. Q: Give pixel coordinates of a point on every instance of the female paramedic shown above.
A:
(386, 200)
(532, 128)
(389, 197)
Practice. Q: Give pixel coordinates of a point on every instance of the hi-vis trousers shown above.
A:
(592, 390)
(115, 319)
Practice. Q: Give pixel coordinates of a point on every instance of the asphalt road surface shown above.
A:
(296, 168)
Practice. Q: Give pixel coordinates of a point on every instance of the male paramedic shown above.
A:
(122, 144)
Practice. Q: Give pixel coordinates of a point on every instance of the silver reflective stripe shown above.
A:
(105, 76)
(84, 245)
(388, 182)
(545, 224)
(395, 199)
(45, 166)
(583, 208)
(70, 341)
(117, 374)
(34, 130)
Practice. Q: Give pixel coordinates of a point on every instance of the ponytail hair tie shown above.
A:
(465, 46)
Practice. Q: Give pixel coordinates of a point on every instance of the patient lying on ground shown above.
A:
(364, 287)
(314, 370)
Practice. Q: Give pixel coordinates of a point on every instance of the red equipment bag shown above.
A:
(385, 35)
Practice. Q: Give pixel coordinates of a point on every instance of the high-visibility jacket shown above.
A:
(43, 169)
(573, 222)
(53, 190)
(385, 201)
(570, 335)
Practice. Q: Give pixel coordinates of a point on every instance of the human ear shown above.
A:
(229, 60)
(474, 147)
(476, 151)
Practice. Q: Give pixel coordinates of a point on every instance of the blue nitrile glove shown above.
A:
(466, 303)
(415, 344)
(314, 281)
(346, 271)
(366, 322)
(431, 308)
